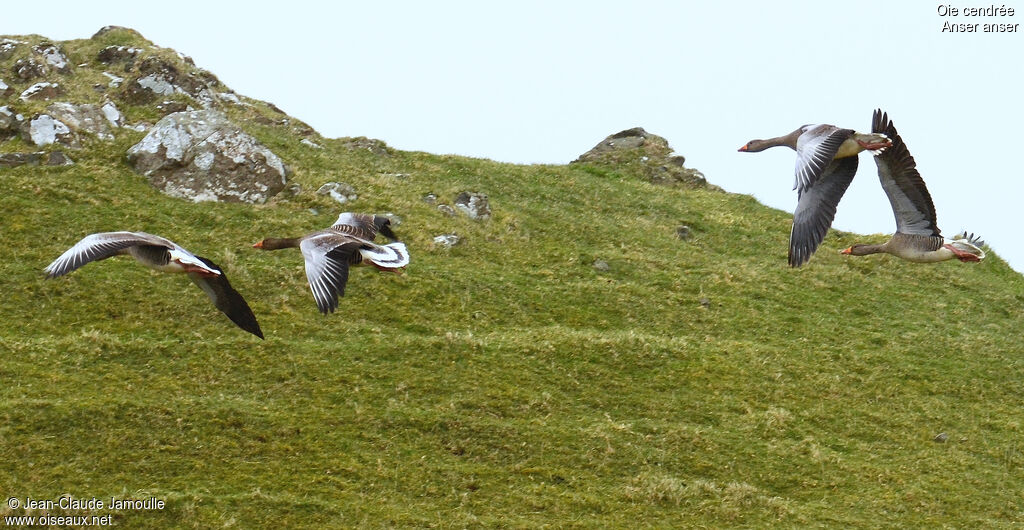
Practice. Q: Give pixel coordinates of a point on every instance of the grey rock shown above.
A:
(83, 118)
(473, 204)
(5, 89)
(683, 232)
(115, 81)
(941, 438)
(310, 143)
(58, 158)
(44, 129)
(362, 143)
(29, 68)
(447, 210)
(41, 91)
(602, 265)
(112, 114)
(53, 56)
(54, 158)
(10, 123)
(430, 198)
(447, 240)
(338, 191)
(201, 156)
(8, 47)
(648, 154)
(118, 54)
(705, 302)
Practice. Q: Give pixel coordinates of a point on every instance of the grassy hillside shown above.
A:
(505, 381)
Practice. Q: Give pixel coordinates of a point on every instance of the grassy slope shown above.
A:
(504, 382)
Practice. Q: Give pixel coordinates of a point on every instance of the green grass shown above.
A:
(504, 382)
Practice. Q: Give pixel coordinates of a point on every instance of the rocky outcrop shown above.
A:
(339, 191)
(157, 78)
(647, 154)
(44, 91)
(473, 204)
(53, 158)
(53, 56)
(201, 156)
(43, 129)
(8, 47)
(85, 118)
(362, 143)
(10, 122)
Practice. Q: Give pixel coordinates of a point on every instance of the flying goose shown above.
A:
(162, 255)
(330, 252)
(917, 238)
(826, 161)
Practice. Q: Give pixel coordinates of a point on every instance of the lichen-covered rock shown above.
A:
(41, 91)
(447, 240)
(112, 114)
(53, 56)
(473, 204)
(646, 154)
(338, 191)
(53, 158)
(10, 123)
(8, 47)
(83, 118)
(5, 89)
(28, 68)
(44, 129)
(118, 54)
(201, 156)
(362, 143)
(160, 78)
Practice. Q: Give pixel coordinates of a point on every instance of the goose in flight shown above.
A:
(826, 161)
(917, 238)
(162, 255)
(330, 252)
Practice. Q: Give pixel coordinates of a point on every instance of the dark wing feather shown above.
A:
(816, 208)
(815, 149)
(100, 246)
(911, 203)
(227, 299)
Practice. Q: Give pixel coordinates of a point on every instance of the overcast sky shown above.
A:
(542, 82)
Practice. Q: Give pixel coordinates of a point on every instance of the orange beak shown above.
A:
(258, 245)
(744, 148)
(846, 250)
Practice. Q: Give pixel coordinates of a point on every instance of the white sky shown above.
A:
(544, 81)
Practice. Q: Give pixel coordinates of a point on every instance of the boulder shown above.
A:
(41, 91)
(447, 240)
(8, 47)
(5, 90)
(54, 158)
(112, 114)
(10, 123)
(118, 54)
(362, 143)
(201, 156)
(29, 68)
(44, 129)
(338, 191)
(473, 204)
(160, 78)
(83, 118)
(646, 154)
(53, 56)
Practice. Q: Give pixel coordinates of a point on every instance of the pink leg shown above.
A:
(872, 146)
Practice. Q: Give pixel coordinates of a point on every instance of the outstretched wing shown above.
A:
(95, 247)
(911, 203)
(816, 208)
(226, 298)
(327, 258)
(815, 150)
